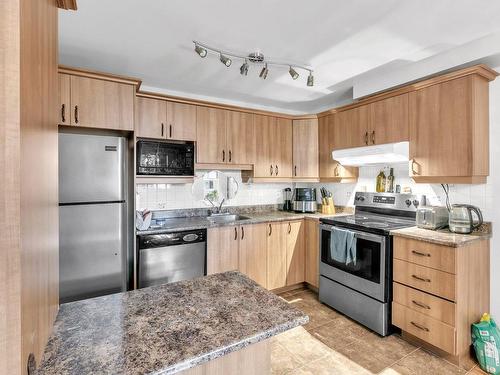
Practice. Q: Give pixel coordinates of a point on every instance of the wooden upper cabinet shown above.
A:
(64, 99)
(282, 148)
(240, 138)
(211, 135)
(276, 255)
(329, 169)
(305, 149)
(253, 252)
(295, 252)
(351, 127)
(449, 131)
(389, 120)
(98, 103)
(181, 121)
(150, 116)
(265, 131)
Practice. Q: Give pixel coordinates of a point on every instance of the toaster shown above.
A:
(432, 217)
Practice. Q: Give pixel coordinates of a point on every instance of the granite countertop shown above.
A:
(202, 222)
(444, 236)
(165, 329)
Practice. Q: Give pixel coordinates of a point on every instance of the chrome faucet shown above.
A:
(217, 209)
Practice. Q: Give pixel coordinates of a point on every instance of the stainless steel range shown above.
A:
(361, 287)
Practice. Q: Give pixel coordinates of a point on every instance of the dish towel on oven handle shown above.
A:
(343, 246)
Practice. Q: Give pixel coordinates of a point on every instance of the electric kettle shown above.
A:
(461, 220)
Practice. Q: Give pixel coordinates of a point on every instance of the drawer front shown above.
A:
(424, 303)
(426, 254)
(425, 328)
(441, 284)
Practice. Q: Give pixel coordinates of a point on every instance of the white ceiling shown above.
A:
(343, 41)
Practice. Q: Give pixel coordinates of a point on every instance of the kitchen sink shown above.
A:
(226, 218)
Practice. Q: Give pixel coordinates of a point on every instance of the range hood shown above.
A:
(376, 154)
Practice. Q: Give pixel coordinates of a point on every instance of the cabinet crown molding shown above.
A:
(99, 75)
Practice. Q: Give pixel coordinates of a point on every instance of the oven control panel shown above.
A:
(384, 199)
(402, 202)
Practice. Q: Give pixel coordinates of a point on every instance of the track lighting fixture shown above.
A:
(293, 73)
(244, 68)
(200, 50)
(310, 79)
(225, 60)
(254, 58)
(263, 72)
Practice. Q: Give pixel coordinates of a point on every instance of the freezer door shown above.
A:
(91, 168)
(161, 265)
(92, 252)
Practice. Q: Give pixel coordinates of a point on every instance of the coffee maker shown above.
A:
(287, 197)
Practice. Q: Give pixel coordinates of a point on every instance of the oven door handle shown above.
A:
(359, 234)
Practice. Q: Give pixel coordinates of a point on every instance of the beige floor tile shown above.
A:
(477, 371)
(422, 362)
(340, 332)
(333, 363)
(375, 353)
(318, 316)
(282, 361)
(304, 346)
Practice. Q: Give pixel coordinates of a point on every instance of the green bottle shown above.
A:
(381, 182)
(390, 181)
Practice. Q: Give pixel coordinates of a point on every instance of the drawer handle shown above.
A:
(421, 254)
(420, 327)
(421, 278)
(242, 232)
(420, 304)
(270, 229)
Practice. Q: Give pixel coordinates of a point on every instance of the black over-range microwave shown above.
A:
(157, 158)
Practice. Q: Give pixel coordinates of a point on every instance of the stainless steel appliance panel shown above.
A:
(168, 264)
(92, 250)
(91, 168)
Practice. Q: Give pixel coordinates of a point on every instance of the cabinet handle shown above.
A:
(421, 278)
(76, 114)
(170, 131)
(235, 233)
(366, 138)
(420, 304)
(63, 113)
(289, 228)
(420, 327)
(270, 229)
(413, 170)
(295, 171)
(223, 155)
(277, 170)
(373, 137)
(421, 254)
(162, 129)
(242, 232)
(271, 169)
(230, 156)
(336, 171)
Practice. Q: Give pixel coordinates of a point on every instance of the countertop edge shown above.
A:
(451, 243)
(204, 358)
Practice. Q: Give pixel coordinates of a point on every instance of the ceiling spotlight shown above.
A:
(293, 73)
(244, 68)
(225, 60)
(310, 79)
(200, 50)
(263, 72)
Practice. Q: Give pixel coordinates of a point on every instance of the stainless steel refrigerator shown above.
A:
(93, 225)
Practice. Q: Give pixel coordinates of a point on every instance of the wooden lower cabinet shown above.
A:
(295, 252)
(276, 255)
(311, 227)
(253, 252)
(222, 249)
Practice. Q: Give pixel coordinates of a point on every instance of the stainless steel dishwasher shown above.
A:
(168, 257)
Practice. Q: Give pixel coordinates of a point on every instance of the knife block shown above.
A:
(327, 206)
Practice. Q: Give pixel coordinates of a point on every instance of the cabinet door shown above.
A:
(222, 249)
(305, 148)
(240, 138)
(64, 99)
(282, 147)
(102, 104)
(211, 135)
(181, 121)
(276, 255)
(150, 117)
(265, 131)
(389, 120)
(351, 128)
(312, 252)
(253, 252)
(440, 129)
(295, 253)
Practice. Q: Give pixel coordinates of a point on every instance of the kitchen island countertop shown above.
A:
(165, 329)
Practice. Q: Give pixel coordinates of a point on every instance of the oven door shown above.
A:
(367, 275)
(165, 158)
